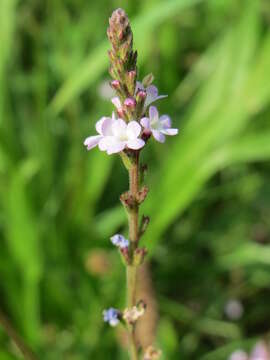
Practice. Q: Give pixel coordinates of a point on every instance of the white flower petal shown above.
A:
(105, 142)
(153, 114)
(165, 121)
(92, 141)
(119, 128)
(116, 102)
(158, 136)
(116, 147)
(135, 144)
(133, 130)
(145, 122)
(170, 132)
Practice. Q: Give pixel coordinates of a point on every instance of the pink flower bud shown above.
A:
(115, 84)
(130, 103)
(141, 95)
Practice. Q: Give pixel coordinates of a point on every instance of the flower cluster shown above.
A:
(136, 120)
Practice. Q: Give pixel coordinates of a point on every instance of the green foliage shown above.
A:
(209, 186)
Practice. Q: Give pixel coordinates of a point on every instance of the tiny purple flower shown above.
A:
(111, 316)
(158, 126)
(151, 93)
(120, 241)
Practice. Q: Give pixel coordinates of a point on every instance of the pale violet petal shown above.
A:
(119, 128)
(165, 121)
(158, 136)
(92, 141)
(116, 102)
(99, 124)
(133, 130)
(153, 114)
(116, 147)
(152, 91)
(106, 127)
(105, 142)
(159, 97)
(170, 132)
(145, 122)
(135, 144)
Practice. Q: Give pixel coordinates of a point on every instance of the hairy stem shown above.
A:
(134, 238)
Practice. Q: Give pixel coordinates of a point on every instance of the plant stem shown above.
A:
(134, 238)
(12, 333)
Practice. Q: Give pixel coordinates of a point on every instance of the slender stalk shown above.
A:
(12, 333)
(134, 238)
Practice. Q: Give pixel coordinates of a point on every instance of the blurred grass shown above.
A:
(209, 200)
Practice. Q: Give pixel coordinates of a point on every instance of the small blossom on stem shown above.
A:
(151, 93)
(158, 126)
(120, 241)
(111, 316)
(133, 314)
(120, 135)
(115, 135)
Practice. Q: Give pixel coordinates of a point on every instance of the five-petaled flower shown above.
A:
(115, 135)
(111, 316)
(120, 241)
(158, 126)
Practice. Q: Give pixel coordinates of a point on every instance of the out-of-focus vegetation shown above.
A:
(209, 237)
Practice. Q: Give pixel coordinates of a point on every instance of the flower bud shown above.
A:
(141, 95)
(115, 84)
(130, 103)
(139, 255)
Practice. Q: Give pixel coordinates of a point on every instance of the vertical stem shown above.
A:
(133, 237)
(12, 333)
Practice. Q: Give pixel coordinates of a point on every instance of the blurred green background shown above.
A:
(208, 277)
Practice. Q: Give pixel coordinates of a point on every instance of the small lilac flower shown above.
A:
(120, 135)
(151, 93)
(111, 316)
(120, 241)
(158, 126)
